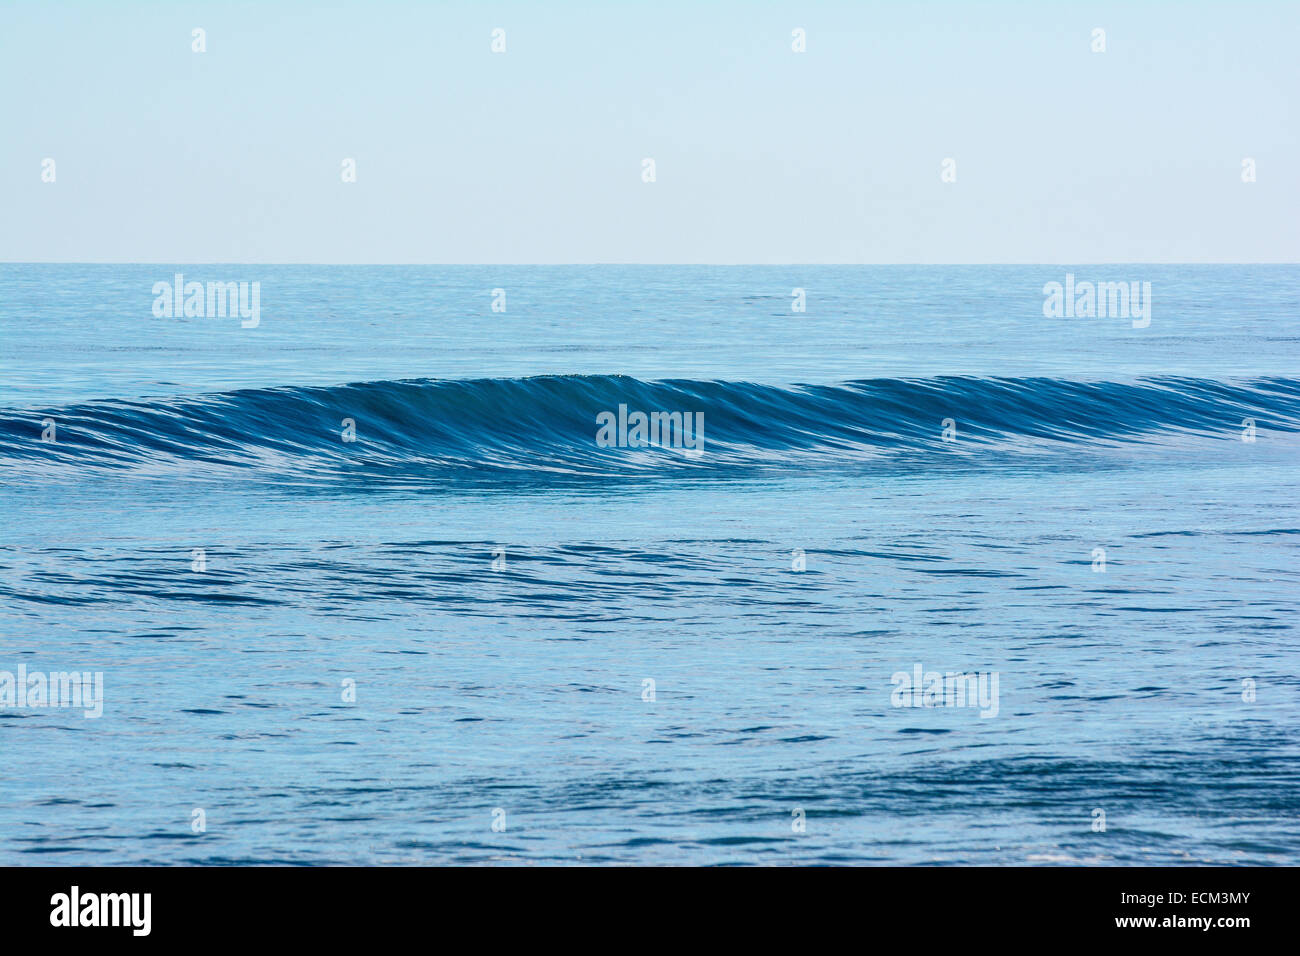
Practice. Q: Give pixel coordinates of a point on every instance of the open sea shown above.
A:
(364, 587)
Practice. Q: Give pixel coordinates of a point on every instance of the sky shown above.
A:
(762, 154)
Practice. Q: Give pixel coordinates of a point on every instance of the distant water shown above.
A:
(641, 654)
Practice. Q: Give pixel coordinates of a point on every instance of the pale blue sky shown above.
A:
(763, 155)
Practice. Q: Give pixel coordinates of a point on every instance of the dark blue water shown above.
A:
(500, 588)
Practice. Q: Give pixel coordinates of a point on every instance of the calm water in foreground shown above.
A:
(499, 589)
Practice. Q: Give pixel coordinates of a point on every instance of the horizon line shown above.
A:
(774, 265)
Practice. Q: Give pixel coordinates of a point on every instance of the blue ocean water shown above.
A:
(476, 634)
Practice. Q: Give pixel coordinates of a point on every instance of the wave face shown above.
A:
(547, 426)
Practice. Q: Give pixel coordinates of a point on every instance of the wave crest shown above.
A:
(546, 425)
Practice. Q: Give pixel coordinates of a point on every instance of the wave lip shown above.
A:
(420, 430)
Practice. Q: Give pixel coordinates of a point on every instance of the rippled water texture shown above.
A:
(640, 654)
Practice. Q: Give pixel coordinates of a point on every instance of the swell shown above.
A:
(547, 426)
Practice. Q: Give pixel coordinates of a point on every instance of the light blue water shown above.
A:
(522, 688)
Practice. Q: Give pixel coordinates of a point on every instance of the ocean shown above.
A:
(908, 572)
